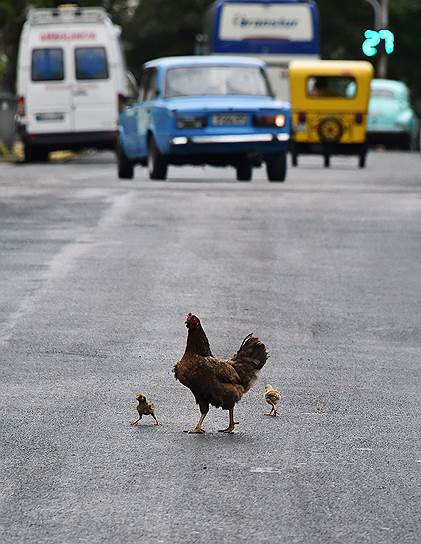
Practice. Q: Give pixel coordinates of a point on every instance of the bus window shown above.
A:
(331, 87)
(47, 65)
(91, 63)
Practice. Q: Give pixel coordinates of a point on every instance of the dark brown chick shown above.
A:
(144, 408)
(272, 397)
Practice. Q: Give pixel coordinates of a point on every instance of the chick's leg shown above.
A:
(135, 422)
(232, 423)
(273, 409)
(157, 422)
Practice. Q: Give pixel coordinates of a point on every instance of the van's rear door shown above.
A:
(94, 93)
(48, 97)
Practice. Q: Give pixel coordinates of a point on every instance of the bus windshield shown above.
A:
(220, 80)
(276, 27)
(270, 22)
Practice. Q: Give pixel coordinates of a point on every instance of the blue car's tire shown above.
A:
(157, 165)
(124, 165)
(276, 167)
(244, 170)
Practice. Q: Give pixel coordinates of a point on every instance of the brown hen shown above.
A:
(220, 382)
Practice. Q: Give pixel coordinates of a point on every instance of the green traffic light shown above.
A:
(389, 40)
(372, 41)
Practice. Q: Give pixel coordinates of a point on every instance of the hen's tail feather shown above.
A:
(249, 359)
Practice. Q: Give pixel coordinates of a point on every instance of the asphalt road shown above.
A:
(96, 276)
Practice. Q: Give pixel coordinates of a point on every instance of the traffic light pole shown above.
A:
(381, 20)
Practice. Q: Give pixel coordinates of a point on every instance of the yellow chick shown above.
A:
(272, 397)
(144, 408)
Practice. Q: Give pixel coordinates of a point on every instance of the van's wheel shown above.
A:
(157, 165)
(35, 153)
(362, 159)
(276, 167)
(124, 165)
(244, 171)
(294, 159)
(327, 160)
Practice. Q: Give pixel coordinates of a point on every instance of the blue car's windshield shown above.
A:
(223, 80)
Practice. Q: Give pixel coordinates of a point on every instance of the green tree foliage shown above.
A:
(12, 17)
(163, 28)
(343, 25)
(168, 27)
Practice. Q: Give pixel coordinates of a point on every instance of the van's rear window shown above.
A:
(91, 63)
(47, 65)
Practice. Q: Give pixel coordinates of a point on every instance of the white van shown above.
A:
(71, 80)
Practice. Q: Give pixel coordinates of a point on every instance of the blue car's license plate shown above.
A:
(229, 119)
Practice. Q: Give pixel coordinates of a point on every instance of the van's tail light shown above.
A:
(20, 106)
(121, 102)
(359, 118)
(302, 117)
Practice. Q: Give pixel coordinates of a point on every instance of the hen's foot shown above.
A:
(230, 428)
(196, 430)
(227, 430)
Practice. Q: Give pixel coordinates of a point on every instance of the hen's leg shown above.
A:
(204, 409)
(232, 423)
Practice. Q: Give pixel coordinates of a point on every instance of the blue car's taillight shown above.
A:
(274, 121)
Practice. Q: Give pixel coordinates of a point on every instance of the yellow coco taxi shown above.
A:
(329, 101)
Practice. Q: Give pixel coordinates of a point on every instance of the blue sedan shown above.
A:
(214, 110)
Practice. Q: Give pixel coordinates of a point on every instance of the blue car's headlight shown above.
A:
(191, 121)
(276, 121)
